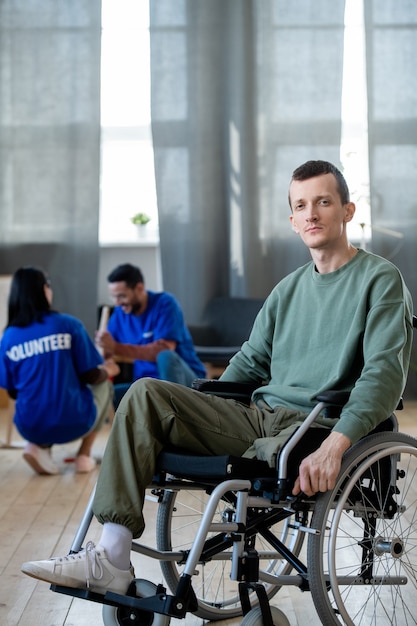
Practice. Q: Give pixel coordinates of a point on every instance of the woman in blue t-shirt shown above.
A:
(50, 366)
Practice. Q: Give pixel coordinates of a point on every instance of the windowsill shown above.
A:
(136, 243)
(130, 238)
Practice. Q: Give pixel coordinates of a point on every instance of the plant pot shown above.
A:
(141, 230)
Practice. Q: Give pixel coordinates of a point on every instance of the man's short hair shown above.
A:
(310, 169)
(130, 274)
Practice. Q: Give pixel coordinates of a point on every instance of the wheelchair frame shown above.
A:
(362, 536)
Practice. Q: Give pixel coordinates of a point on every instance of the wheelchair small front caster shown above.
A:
(254, 617)
(123, 616)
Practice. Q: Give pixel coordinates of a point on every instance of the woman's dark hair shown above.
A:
(27, 299)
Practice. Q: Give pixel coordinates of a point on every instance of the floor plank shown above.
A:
(39, 516)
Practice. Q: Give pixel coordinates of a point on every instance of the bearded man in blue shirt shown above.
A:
(147, 328)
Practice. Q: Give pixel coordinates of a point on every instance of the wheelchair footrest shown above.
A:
(84, 594)
(161, 603)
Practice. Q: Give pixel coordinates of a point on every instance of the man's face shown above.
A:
(318, 215)
(128, 298)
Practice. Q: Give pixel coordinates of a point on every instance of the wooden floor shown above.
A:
(38, 518)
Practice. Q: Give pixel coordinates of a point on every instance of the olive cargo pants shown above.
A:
(154, 414)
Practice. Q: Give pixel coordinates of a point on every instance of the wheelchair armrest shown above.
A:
(340, 398)
(226, 389)
(335, 398)
(216, 354)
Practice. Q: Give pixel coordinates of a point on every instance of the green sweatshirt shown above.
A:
(347, 330)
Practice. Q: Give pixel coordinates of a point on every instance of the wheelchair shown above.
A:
(229, 534)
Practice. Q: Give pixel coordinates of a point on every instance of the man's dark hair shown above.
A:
(127, 273)
(310, 169)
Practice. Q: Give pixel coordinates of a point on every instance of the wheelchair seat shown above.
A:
(214, 469)
(211, 468)
(217, 468)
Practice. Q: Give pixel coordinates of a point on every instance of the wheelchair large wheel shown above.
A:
(178, 519)
(363, 563)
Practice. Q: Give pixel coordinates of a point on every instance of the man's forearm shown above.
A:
(149, 352)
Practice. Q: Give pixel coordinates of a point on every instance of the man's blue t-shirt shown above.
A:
(42, 363)
(162, 319)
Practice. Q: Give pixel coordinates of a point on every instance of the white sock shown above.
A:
(117, 542)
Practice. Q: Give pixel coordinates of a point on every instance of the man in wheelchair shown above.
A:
(343, 321)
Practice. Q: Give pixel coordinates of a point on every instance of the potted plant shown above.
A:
(140, 219)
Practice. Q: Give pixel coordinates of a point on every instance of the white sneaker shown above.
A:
(40, 459)
(88, 569)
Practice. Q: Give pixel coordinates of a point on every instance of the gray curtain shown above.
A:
(391, 36)
(50, 145)
(242, 93)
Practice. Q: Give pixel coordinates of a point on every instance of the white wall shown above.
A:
(145, 256)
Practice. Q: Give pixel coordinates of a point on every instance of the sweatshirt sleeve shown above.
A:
(387, 343)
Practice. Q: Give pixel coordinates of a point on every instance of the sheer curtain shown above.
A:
(242, 93)
(391, 36)
(50, 145)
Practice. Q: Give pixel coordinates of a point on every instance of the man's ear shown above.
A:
(293, 225)
(350, 209)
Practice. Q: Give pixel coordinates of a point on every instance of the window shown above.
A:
(127, 174)
(354, 142)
